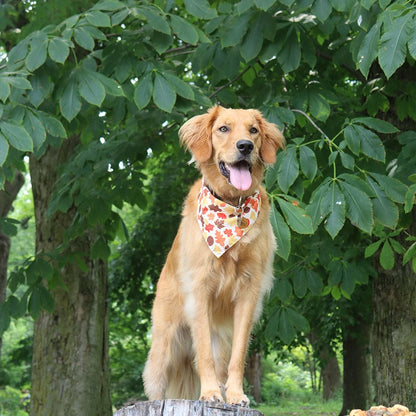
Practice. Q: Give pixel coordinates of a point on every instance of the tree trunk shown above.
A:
(254, 374)
(70, 371)
(331, 376)
(330, 372)
(357, 368)
(7, 196)
(394, 334)
(185, 408)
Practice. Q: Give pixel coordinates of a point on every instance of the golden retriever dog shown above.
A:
(220, 266)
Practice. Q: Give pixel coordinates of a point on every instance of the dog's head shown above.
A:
(231, 147)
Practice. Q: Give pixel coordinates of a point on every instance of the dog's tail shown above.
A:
(183, 378)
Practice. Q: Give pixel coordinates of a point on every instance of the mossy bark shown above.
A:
(70, 372)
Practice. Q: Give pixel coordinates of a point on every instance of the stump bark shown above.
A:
(185, 408)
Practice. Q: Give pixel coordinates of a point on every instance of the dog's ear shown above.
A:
(196, 135)
(271, 139)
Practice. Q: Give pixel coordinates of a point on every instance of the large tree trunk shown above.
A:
(394, 334)
(7, 196)
(70, 373)
(357, 368)
(254, 374)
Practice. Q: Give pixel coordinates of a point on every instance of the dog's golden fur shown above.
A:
(205, 306)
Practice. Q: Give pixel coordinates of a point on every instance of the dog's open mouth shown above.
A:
(238, 174)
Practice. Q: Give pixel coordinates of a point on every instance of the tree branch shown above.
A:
(312, 122)
(223, 87)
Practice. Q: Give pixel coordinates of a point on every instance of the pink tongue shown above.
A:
(240, 177)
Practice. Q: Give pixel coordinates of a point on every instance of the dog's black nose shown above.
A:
(245, 147)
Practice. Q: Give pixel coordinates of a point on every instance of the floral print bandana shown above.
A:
(222, 224)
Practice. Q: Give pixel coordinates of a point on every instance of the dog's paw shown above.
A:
(212, 396)
(238, 398)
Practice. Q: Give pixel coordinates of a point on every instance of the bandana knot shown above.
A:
(222, 225)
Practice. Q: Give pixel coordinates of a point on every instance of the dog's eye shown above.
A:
(223, 129)
(253, 130)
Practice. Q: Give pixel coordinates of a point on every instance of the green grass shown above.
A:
(292, 407)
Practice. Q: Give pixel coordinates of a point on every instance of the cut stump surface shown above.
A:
(185, 408)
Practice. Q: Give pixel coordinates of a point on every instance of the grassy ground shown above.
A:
(314, 407)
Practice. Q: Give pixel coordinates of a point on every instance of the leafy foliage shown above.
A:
(337, 77)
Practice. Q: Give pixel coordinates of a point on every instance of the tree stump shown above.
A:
(185, 408)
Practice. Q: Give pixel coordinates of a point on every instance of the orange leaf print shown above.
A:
(219, 238)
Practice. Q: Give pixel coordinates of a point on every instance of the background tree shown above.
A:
(121, 77)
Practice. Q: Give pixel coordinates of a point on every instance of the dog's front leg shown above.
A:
(201, 330)
(243, 319)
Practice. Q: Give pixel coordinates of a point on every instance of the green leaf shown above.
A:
(300, 283)
(47, 301)
(17, 136)
(290, 54)
(318, 105)
(370, 143)
(53, 126)
(369, 49)
(393, 188)
(308, 163)
(352, 139)
(265, 4)
(100, 250)
(90, 87)
(155, 20)
(184, 30)
(315, 284)
(35, 129)
(296, 217)
(111, 86)
(387, 256)
(409, 254)
(281, 232)
(283, 289)
(181, 87)
(42, 87)
(347, 161)
(253, 40)
(109, 5)
(243, 6)
(288, 169)
(4, 318)
(316, 209)
(359, 208)
(4, 149)
(298, 320)
(83, 38)
(35, 303)
(38, 48)
(143, 91)
(334, 203)
(164, 95)
(98, 19)
(58, 50)
(286, 331)
(200, 9)
(372, 248)
(20, 82)
(411, 44)
(322, 9)
(4, 89)
(233, 33)
(410, 198)
(393, 48)
(70, 102)
(385, 210)
(376, 124)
